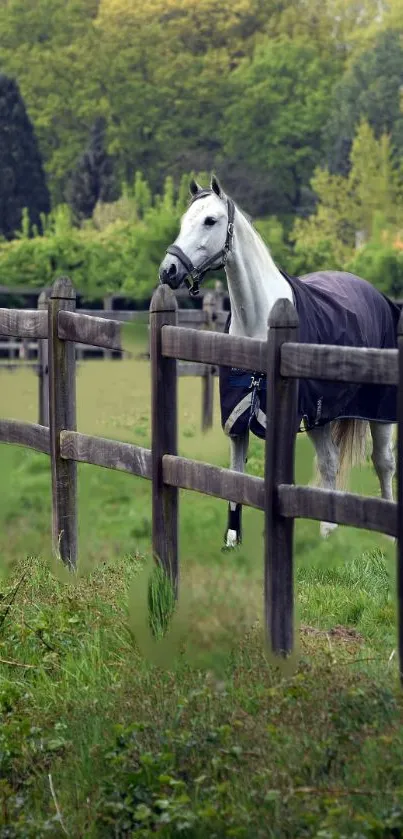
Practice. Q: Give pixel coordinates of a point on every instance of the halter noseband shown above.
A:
(195, 275)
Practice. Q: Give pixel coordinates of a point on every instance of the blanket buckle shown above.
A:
(255, 383)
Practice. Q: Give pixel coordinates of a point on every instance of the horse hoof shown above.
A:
(326, 528)
(231, 540)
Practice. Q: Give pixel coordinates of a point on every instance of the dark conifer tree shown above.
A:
(93, 178)
(22, 177)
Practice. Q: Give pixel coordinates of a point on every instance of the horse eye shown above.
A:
(209, 221)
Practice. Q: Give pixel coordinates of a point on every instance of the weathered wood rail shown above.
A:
(284, 360)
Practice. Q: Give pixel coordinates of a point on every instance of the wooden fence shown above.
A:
(33, 353)
(284, 360)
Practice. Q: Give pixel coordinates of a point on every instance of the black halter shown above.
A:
(195, 275)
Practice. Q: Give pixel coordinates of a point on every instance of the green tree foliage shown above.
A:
(367, 200)
(262, 93)
(49, 47)
(373, 180)
(382, 265)
(93, 179)
(273, 234)
(369, 89)
(161, 74)
(22, 179)
(279, 102)
(334, 26)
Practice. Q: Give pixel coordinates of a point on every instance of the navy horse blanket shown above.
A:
(333, 308)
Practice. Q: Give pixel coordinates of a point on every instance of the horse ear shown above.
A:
(215, 186)
(194, 187)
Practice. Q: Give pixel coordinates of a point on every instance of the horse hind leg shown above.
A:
(327, 461)
(383, 456)
(239, 450)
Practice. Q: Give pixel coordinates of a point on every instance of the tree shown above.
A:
(93, 180)
(370, 90)
(158, 71)
(366, 199)
(164, 93)
(373, 180)
(22, 179)
(334, 26)
(243, 88)
(279, 101)
(50, 47)
(330, 229)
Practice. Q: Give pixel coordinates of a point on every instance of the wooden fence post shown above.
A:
(208, 378)
(108, 304)
(163, 311)
(399, 547)
(62, 415)
(219, 296)
(43, 368)
(23, 351)
(279, 469)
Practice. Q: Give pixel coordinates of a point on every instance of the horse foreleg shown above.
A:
(383, 456)
(327, 457)
(239, 451)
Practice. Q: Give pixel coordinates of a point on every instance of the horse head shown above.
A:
(204, 240)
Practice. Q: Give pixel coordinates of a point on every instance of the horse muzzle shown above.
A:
(171, 272)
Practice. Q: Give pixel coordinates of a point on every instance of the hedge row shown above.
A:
(124, 255)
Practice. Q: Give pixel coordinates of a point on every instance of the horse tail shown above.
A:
(350, 436)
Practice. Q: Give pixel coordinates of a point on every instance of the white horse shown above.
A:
(214, 233)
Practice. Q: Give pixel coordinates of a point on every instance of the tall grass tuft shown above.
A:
(161, 602)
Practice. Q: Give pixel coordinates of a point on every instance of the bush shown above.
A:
(119, 250)
(89, 258)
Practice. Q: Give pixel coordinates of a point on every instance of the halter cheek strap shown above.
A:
(195, 275)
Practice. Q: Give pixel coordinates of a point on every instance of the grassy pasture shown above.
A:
(98, 740)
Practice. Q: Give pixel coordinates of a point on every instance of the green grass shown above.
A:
(197, 734)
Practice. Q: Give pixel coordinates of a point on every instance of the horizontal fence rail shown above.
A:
(99, 451)
(213, 348)
(340, 507)
(109, 299)
(281, 357)
(17, 345)
(23, 323)
(10, 324)
(17, 364)
(213, 480)
(183, 343)
(193, 368)
(89, 329)
(106, 341)
(27, 434)
(339, 364)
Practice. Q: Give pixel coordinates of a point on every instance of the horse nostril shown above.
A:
(172, 270)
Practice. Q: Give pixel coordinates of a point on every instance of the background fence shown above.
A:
(282, 358)
(17, 352)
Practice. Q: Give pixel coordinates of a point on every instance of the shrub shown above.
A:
(120, 250)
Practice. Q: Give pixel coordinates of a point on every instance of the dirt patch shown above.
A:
(345, 633)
